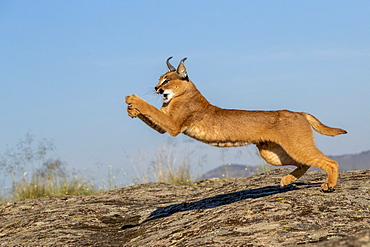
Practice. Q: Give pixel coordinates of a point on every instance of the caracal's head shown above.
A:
(174, 83)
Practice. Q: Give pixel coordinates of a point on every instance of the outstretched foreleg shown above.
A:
(135, 112)
(150, 123)
(150, 115)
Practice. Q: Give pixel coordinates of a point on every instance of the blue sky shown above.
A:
(66, 67)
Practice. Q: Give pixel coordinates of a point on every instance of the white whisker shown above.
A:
(152, 95)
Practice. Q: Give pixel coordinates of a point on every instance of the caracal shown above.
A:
(282, 137)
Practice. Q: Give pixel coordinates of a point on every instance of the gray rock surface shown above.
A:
(249, 211)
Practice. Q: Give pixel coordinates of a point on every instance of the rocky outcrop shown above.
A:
(249, 211)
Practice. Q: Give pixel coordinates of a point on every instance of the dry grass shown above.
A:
(32, 172)
(168, 167)
(50, 180)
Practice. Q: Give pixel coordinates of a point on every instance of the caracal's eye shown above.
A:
(165, 82)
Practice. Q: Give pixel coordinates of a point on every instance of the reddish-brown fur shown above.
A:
(282, 137)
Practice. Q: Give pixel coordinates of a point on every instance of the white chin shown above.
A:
(167, 96)
(166, 99)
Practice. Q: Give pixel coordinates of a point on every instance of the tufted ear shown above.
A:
(181, 70)
(169, 66)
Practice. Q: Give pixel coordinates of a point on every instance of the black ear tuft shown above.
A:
(169, 66)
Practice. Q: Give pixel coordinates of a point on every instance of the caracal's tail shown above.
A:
(321, 128)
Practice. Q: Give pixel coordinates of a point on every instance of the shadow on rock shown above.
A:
(215, 201)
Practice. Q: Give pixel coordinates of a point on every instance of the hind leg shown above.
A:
(294, 175)
(309, 155)
(274, 154)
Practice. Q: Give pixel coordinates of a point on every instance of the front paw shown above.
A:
(325, 187)
(131, 98)
(132, 112)
(133, 102)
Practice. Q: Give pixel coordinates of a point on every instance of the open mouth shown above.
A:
(165, 97)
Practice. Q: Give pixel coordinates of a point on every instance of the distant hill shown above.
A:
(235, 171)
(347, 162)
